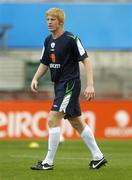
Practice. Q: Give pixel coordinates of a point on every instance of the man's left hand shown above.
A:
(89, 93)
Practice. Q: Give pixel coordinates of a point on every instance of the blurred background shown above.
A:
(104, 26)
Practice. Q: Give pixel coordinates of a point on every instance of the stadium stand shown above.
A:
(112, 74)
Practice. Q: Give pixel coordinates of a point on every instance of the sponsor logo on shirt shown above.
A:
(55, 66)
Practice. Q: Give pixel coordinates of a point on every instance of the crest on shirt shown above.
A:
(52, 45)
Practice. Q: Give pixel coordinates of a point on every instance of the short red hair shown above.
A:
(58, 13)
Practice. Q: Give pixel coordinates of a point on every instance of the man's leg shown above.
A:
(53, 141)
(88, 137)
(54, 136)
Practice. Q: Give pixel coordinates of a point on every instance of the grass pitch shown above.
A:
(71, 162)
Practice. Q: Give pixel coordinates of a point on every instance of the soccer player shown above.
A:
(62, 53)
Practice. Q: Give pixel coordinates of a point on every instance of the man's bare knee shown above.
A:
(54, 118)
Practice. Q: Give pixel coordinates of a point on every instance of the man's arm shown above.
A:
(39, 73)
(89, 91)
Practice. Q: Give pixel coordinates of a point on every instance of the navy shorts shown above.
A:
(67, 98)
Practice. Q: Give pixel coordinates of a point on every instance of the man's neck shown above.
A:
(57, 33)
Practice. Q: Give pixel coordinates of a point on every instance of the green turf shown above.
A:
(71, 162)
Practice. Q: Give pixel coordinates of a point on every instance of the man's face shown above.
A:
(53, 23)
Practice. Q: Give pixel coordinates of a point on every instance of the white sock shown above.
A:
(53, 142)
(88, 137)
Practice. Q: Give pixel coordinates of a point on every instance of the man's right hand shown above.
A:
(34, 85)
